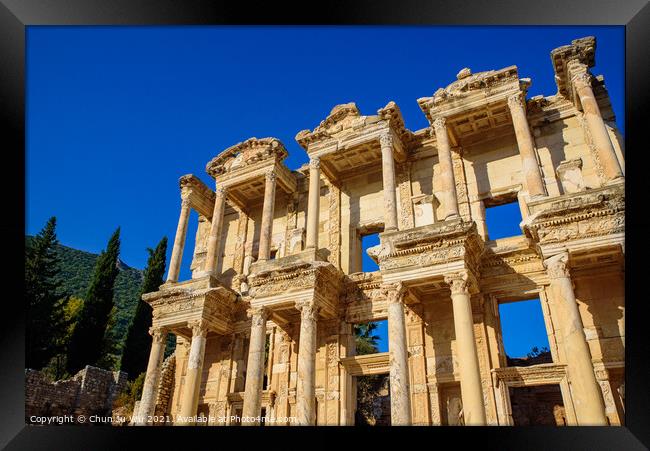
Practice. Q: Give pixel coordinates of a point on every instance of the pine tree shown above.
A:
(138, 341)
(43, 301)
(87, 341)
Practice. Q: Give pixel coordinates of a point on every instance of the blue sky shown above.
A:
(115, 115)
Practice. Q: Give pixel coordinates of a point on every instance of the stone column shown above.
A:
(448, 196)
(255, 366)
(306, 383)
(388, 174)
(400, 393)
(313, 205)
(179, 241)
(470, 376)
(152, 378)
(266, 232)
(596, 125)
(214, 239)
(587, 396)
(190, 396)
(530, 167)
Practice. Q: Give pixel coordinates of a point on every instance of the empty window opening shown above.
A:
(537, 405)
(502, 216)
(372, 400)
(368, 264)
(524, 335)
(371, 338)
(273, 254)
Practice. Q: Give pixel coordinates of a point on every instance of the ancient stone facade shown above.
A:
(89, 392)
(265, 325)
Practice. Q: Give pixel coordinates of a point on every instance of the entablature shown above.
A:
(176, 305)
(430, 251)
(200, 196)
(578, 222)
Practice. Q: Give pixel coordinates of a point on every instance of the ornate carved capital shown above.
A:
(558, 266)
(199, 327)
(258, 315)
(308, 310)
(515, 101)
(386, 140)
(440, 124)
(458, 282)
(582, 80)
(221, 192)
(314, 163)
(395, 292)
(158, 334)
(270, 175)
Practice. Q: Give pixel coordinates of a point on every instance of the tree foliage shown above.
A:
(87, 342)
(44, 320)
(138, 341)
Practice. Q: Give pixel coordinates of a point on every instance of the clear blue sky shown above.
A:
(115, 115)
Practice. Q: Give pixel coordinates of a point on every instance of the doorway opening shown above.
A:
(538, 405)
(372, 400)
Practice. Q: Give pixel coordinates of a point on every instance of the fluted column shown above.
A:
(388, 174)
(190, 396)
(179, 241)
(587, 396)
(214, 238)
(531, 172)
(313, 205)
(470, 376)
(306, 383)
(267, 217)
(596, 125)
(255, 367)
(448, 195)
(152, 377)
(400, 393)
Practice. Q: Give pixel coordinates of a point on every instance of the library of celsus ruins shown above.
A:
(265, 325)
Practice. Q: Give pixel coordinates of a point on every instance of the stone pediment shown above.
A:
(467, 83)
(247, 153)
(343, 120)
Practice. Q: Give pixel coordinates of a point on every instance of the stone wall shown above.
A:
(89, 392)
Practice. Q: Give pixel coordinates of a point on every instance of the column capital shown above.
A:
(557, 266)
(258, 315)
(459, 282)
(516, 100)
(199, 327)
(581, 80)
(158, 334)
(439, 124)
(270, 175)
(221, 191)
(394, 292)
(308, 310)
(314, 163)
(386, 140)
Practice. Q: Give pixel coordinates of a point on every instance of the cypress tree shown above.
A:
(43, 302)
(87, 341)
(135, 355)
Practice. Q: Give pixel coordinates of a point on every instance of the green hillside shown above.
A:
(76, 271)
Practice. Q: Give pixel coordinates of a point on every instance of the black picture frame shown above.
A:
(16, 15)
